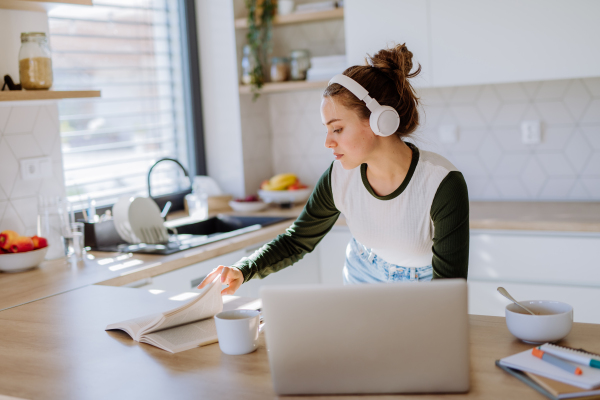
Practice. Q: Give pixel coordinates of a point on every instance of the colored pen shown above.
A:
(578, 358)
(556, 361)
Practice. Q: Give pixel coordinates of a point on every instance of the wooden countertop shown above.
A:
(58, 276)
(536, 216)
(56, 348)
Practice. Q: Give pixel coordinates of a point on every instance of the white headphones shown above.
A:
(384, 120)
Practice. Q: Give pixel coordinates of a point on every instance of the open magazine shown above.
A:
(182, 328)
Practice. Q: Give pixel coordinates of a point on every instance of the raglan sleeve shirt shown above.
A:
(449, 214)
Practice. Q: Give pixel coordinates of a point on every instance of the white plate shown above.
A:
(120, 212)
(146, 221)
(17, 262)
(285, 196)
(247, 206)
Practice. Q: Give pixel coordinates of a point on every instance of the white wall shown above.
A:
(27, 129)
(12, 23)
(220, 99)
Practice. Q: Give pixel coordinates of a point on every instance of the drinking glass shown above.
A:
(52, 222)
(74, 241)
(197, 205)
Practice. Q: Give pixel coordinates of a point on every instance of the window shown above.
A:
(132, 51)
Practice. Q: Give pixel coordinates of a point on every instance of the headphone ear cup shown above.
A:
(385, 121)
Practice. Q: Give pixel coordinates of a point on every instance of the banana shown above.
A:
(282, 181)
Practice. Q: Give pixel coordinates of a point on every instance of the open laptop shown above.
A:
(370, 338)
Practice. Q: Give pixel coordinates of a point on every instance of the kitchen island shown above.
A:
(56, 348)
(115, 269)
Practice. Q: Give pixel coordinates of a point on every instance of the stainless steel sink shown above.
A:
(200, 233)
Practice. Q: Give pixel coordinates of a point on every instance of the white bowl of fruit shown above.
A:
(248, 204)
(284, 189)
(20, 253)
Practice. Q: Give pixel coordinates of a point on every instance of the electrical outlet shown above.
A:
(531, 132)
(448, 133)
(36, 168)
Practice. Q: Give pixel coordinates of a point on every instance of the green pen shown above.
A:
(577, 357)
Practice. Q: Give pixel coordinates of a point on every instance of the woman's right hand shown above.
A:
(229, 275)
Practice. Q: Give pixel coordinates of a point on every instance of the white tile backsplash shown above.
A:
(489, 152)
(576, 99)
(592, 134)
(4, 113)
(592, 113)
(593, 85)
(29, 131)
(21, 119)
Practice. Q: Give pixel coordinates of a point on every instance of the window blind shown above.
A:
(132, 51)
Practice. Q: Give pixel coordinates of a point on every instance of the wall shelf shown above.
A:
(289, 86)
(22, 95)
(39, 5)
(294, 18)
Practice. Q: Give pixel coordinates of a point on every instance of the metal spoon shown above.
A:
(504, 293)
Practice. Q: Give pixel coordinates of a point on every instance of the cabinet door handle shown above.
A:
(140, 283)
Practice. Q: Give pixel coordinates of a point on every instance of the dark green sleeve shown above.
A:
(317, 218)
(450, 215)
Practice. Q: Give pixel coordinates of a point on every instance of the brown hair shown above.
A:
(387, 66)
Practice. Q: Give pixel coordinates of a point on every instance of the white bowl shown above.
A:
(553, 323)
(285, 196)
(17, 262)
(247, 206)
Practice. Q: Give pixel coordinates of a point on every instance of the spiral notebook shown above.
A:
(525, 361)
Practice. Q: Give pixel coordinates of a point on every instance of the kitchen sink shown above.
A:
(199, 233)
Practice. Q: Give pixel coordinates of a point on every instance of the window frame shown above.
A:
(192, 95)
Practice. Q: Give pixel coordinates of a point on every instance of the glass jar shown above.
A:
(248, 65)
(280, 68)
(35, 62)
(300, 63)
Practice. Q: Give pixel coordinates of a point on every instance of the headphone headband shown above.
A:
(384, 120)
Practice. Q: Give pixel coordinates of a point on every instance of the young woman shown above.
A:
(407, 209)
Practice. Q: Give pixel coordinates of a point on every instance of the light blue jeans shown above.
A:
(364, 266)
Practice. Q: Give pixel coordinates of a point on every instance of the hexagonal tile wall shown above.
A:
(27, 131)
(489, 151)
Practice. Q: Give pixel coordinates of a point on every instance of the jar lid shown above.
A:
(300, 53)
(279, 59)
(33, 34)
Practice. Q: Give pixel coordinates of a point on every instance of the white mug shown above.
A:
(237, 331)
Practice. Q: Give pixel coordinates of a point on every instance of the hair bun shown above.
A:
(398, 58)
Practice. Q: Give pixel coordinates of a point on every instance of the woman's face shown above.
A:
(350, 138)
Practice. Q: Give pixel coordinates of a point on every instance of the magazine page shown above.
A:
(135, 327)
(183, 337)
(206, 305)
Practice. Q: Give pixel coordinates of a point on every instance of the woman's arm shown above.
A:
(317, 218)
(450, 216)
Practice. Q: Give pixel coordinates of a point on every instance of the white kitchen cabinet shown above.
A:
(472, 42)
(558, 266)
(485, 300)
(332, 255)
(305, 271)
(476, 42)
(535, 257)
(186, 279)
(372, 25)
